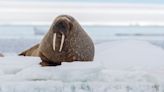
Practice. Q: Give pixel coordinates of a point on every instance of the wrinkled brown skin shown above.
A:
(78, 46)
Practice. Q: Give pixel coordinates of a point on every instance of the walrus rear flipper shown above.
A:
(22, 53)
(33, 51)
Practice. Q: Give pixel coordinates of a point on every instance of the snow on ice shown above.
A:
(119, 66)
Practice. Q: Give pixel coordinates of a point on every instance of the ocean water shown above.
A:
(96, 32)
(22, 37)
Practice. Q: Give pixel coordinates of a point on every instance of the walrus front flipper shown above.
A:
(44, 63)
(30, 52)
(22, 53)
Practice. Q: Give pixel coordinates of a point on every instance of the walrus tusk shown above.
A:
(54, 41)
(62, 42)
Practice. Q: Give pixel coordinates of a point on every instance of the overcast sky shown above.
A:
(90, 1)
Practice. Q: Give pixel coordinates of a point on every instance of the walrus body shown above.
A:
(66, 41)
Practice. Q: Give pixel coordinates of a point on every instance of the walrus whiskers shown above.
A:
(54, 41)
(62, 42)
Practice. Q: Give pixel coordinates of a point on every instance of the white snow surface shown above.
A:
(119, 66)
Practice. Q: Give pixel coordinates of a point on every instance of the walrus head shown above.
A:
(62, 27)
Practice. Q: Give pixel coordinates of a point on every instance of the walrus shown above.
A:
(66, 41)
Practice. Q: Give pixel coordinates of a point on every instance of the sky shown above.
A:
(109, 1)
(40, 13)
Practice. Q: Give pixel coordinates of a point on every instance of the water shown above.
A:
(23, 37)
(96, 32)
(126, 32)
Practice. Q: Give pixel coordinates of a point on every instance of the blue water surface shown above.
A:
(23, 37)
